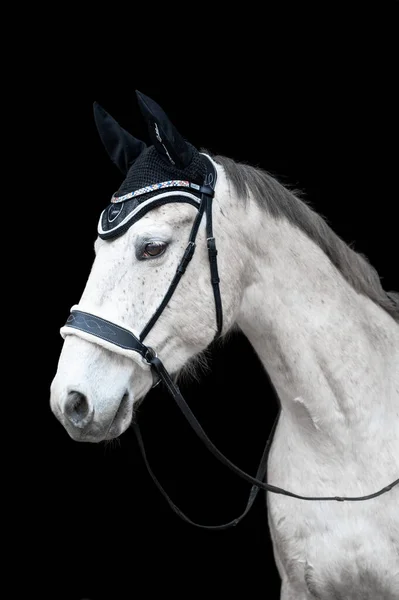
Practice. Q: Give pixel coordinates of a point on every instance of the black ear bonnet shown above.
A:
(171, 170)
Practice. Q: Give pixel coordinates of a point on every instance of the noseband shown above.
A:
(121, 340)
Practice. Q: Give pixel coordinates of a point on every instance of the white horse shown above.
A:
(317, 316)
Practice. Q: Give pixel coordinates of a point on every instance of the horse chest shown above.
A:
(330, 556)
(331, 550)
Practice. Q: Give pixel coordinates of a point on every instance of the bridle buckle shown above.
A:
(149, 355)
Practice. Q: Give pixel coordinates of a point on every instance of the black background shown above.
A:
(310, 96)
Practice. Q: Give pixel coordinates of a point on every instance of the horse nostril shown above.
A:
(77, 409)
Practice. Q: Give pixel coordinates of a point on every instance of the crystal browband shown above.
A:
(154, 187)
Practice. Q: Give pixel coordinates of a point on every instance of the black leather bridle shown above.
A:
(123, 338)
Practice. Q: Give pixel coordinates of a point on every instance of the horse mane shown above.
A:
(280, 202)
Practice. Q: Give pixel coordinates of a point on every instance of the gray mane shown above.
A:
(282, 203)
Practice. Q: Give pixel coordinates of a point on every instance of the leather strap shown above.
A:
(207, 193)
(215, 280)
(175, 392)
(257, 481)
(181, 269)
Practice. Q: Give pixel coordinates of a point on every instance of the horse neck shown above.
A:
(329, 351)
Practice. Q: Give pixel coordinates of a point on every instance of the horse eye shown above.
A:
(154, 249)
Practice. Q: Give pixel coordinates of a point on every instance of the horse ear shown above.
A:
(165, 137)
(123, 148)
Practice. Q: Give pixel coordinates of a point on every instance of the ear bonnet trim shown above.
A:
(140, 211)
(153, 188)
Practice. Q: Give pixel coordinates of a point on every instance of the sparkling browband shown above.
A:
(153, 188)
